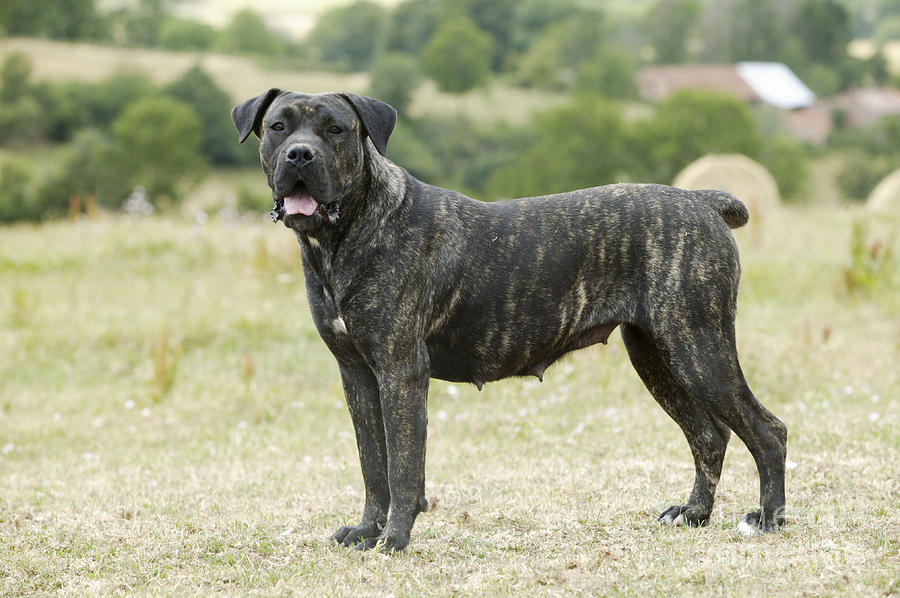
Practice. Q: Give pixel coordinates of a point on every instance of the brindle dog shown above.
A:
(408, 282)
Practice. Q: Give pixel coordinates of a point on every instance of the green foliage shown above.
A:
(141, 24)
(584, 144)
(158, 141)
(248, 33)
(107, 100)
(57, 19)
(531, 18)
(690, 124)
(14, 74)
(17, 201)
(349, 36)
(873, 153)
(183, 34)
(64, 108)
(492, 17)
(862, 172)
(212, 104)
(394, 78)
(89, 166)
(670, 25)
(872, 260)
(823, 27)
(19, 113)
(411, 25)
(458, 57)
(554, 59)
(788, 162)
(610, 73)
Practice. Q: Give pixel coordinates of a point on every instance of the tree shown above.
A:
(109, 98)
(248, 33)
(183, 34)
(157, 140)
(70, 19)
(458, 57)
(735, 30)
(823, 27)
(671, 24)
(198, 90)
(411, 25)
(609, 73)
(141, 25)
(88, 166)
(690, 124)
(584, 144)
(552, 62)
(394, 79)
(15, 73)
(349, 35)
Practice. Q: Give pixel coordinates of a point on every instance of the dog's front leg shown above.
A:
(361, 392)
(403, 388)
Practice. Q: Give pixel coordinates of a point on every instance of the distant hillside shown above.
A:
(243, 78)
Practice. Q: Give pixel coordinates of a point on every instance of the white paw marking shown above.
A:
(339, 325)
(747, 530)
(679, 520)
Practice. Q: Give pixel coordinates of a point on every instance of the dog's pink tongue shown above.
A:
(301, 203)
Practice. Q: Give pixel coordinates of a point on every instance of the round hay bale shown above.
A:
(886, 194)
(737, 174)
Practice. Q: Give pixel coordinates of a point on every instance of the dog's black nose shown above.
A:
(299, 155)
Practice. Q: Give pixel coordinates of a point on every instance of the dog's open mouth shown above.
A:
(301, 203)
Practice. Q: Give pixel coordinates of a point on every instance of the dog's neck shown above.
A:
(335, 251)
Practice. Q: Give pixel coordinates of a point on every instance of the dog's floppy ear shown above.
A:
(377, 117)
(248, 116)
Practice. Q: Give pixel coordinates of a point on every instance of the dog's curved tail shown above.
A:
(730, 208)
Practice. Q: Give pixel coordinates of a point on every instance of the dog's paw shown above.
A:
(388, 543)
(683, 515)
(753, 525)
(352, 536)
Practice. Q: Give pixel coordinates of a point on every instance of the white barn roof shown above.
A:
(776, 84)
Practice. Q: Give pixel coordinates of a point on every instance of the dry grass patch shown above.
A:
(230, 481)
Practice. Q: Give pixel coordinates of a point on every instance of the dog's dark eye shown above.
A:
(277, 127)
(335, 129)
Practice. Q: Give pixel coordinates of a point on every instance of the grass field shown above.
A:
(170, 424)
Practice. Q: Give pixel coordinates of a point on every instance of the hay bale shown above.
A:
(886, 194)
(747, 180)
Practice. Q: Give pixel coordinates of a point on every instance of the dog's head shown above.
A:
(313, 148)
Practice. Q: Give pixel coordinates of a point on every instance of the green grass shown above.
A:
(170, 424)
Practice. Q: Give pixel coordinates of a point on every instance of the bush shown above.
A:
(161, 156)
(554, 59)
(248, 33)
(584, 144)
(349, 36)
(212, 104)
(788, 161)
(691, 124)
(87, 167)
(394, 78)
(182, 34)
(411, 25)
(458, 57)
(610, 72)
(17, 201)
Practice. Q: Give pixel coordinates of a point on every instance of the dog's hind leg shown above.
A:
(361, 391)
(706, 435)
(704, 361)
